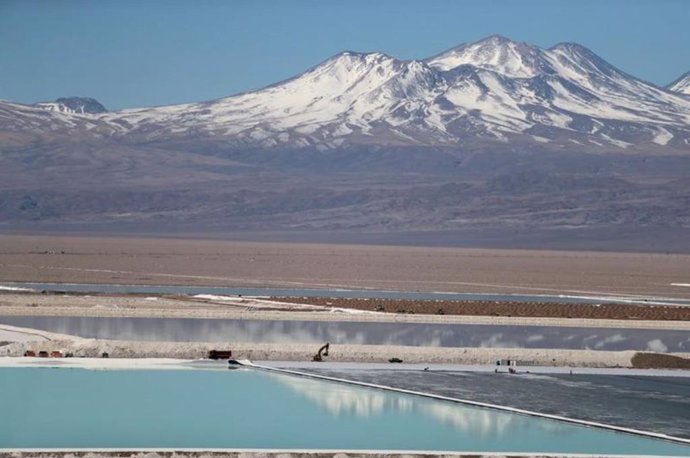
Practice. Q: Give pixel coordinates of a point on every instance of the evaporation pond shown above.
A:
(249, 408)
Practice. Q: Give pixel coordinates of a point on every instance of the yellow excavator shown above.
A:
(323, 351)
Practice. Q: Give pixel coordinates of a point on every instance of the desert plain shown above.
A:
(179, 261)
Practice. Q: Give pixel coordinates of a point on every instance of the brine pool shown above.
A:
(254, 409)
(361, 333)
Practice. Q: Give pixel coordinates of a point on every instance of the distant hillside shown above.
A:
(495, 135)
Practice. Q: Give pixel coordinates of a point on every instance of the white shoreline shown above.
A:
(16, 334)
(206, 364)
(280, 453)
(111, 363)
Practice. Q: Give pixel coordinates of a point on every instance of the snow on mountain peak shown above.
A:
(681, 85)
(73, 105)
(573, 58)
(495, 53)
(487, 89)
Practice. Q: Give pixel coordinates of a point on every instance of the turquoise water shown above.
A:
(245, 408)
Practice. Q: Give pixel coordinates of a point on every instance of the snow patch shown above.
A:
(213, 297)
(662, 137)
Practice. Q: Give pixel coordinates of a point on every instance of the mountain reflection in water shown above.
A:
(344, 400)
(350, 332)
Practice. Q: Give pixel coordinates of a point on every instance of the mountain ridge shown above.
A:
(493, 90)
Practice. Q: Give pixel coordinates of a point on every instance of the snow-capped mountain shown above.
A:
(681, 85)
(73, 105)
(26, 123)
(494, 91)
(499, 138)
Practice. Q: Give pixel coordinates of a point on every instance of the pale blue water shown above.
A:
(368, 333)
(70, 408)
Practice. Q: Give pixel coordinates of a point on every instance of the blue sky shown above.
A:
(131, 53)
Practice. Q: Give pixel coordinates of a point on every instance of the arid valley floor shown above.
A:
(167, 261)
